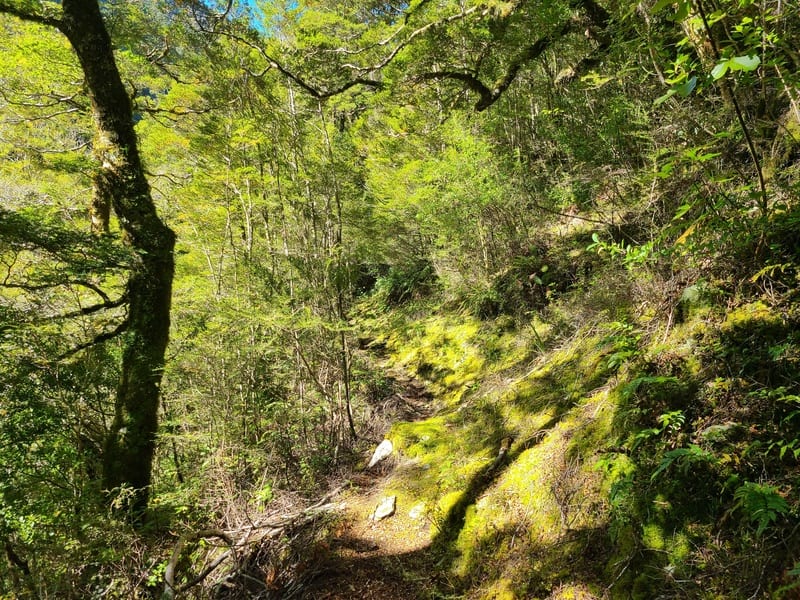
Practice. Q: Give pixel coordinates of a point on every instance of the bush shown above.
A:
(406, 282)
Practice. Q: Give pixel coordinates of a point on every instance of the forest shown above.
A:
(545, 253)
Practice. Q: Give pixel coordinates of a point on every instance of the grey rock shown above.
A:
(384, 450)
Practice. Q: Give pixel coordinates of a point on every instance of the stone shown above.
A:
(417, 511)
(384, 450)
(385, 509)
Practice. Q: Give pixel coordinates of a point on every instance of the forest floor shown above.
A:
(388, 559)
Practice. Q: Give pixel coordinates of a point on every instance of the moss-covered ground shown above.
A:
(621, 455)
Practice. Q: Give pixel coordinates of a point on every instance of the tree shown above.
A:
(119, 182)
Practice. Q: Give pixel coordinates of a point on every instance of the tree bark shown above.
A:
(120, 183)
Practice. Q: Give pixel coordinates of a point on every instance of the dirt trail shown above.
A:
(387, 559)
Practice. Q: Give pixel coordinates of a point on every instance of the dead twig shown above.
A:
(269, 528)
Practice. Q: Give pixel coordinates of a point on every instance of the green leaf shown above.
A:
(683, 209)
(720, 70)
(687, 88)
(744, 63)
(681, 8)
(761, 503)
(683, 90)
(737, 63)
(660, 5)
(686, 457)
(661, 99)
(682, 11)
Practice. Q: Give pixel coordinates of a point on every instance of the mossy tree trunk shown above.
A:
(120, 180)
(120, 183)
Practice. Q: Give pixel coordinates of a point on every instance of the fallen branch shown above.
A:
(169, 572)
(269, 528)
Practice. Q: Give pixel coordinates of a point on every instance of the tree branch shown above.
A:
(99, 339)
(12, 8)
(272, 527)
(489, 94)
(88, 310)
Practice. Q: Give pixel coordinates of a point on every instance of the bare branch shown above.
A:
(322, 94)
(178, 111)
(50, 285)
(53, 100)
(19, 120)
(98, 339)
(272, 527)
(88, 310)
(418, 32)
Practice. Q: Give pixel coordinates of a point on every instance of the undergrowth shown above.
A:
(648, 455)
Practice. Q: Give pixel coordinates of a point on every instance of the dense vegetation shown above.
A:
(576, 221)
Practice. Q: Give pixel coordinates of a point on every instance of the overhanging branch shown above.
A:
(599, 19)
(98, 339)
(89, 310)
(490, 95)
(12, 8)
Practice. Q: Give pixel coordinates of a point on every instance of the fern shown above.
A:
(685, 458)
(761, 503)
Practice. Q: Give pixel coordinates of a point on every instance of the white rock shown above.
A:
(417, 511)
(383, 450)
(385, 509)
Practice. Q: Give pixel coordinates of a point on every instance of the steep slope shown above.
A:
(622, 443)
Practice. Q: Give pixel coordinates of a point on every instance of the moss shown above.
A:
(653, 536)
(502, 589)
(745, 316)
(575, 591)
(680, 548)
(501, 525)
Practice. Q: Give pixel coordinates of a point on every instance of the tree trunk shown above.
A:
(120, 181)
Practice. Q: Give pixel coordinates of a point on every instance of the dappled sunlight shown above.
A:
(490, 513)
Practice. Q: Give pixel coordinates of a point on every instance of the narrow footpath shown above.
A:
(386, 559)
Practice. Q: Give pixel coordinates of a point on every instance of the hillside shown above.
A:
(651, 448)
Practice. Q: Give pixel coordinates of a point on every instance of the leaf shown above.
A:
(720, 70)
(686, 457)
(661, 99)
(737, 63)
(744, 63)
(687, 88)
(660, 5)
(683, 90)
(761, 503)
(682, 210)
(681, 8)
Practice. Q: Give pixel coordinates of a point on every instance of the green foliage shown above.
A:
(762, 504)
(685, 459)
(670, 422)
(560, 234)
(624, 339)
(406, 282)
